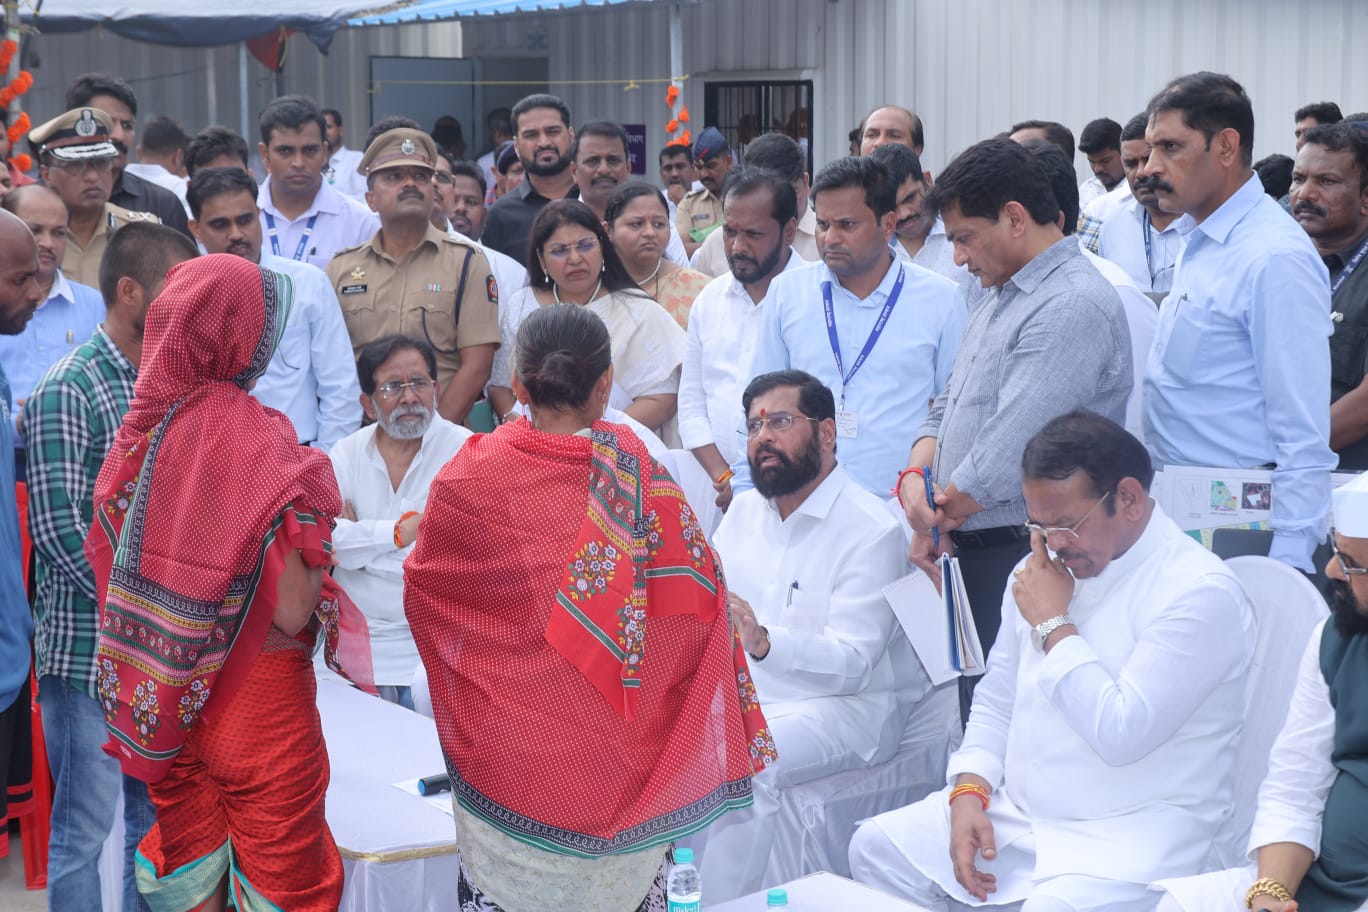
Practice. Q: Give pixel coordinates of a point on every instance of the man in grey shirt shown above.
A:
(1048, 337)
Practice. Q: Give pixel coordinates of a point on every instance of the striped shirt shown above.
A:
(69, 423)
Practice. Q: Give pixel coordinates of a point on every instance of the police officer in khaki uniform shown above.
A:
(414, 279)
(76, 159)
(700, 211)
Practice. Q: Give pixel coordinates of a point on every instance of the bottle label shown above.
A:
(684, 905)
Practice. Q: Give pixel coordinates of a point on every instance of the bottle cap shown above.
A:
(776, 897)
(683, 856)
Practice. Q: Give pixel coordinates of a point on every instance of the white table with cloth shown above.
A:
(398, 851)
(821, 892)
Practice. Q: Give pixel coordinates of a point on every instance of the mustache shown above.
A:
(1308, 207)
(1155, 184)
(411, 194)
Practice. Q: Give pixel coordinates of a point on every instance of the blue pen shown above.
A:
(931, 502)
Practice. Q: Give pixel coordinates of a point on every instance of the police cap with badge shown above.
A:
(397, 148)
(80, 134)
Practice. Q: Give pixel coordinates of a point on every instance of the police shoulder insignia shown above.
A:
(492, 289)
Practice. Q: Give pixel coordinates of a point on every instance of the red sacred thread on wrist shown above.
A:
(897, 487)
(970, 789)
(398, 538)
(725, 476)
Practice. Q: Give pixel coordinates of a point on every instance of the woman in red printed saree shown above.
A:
(211, 538)
(591, 698)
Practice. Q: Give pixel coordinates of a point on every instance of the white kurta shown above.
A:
(839, 678)
(1112, 756)
(724, 324)
(369, 567)
(1291, 799)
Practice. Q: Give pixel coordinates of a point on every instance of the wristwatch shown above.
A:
(1042, 631)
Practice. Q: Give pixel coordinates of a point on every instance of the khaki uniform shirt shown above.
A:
(442, 291)
(82, 264)
(699, 209)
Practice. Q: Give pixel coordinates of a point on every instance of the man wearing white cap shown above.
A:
(1309, 842)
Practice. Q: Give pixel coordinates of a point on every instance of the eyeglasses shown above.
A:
(583, 247)
(779, 422)
(442, 177)
(395, 389)
(1071, 531)
(1346, 564)
(80, 167)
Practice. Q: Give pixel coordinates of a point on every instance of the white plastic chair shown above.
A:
(1287, 607)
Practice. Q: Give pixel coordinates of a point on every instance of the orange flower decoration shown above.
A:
(22, 162)
(23, 123)
(686, 138)
(14, 133)
(672, 95)
(684, 114)
(671, 126)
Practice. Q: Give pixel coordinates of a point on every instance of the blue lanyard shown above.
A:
(1349, 268)
(829, 309)
(303, 242)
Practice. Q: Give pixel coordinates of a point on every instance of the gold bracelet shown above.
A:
(1266, 886)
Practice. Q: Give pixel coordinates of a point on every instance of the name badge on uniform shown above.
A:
(354, 289)
(847, 424)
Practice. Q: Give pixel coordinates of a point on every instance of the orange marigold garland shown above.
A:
(673, 124)
(17, 87)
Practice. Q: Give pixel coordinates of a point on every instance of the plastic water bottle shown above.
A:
(777, 898)
(684, 889)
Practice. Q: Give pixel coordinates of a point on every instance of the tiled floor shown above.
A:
(13, 896)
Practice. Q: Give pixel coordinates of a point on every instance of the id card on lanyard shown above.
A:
(848, 423)
(303, 241)
(1349, 268)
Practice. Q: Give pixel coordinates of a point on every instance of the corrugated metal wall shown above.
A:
(970, 67)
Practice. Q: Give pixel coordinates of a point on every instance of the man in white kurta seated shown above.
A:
(384, 471)
(1309, 839)
(1100, 749)
(806, 554)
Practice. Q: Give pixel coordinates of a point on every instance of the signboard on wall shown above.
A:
(636, 146)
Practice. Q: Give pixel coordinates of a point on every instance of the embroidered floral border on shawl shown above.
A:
(658, 831)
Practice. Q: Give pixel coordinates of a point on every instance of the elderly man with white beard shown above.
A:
(384, 471)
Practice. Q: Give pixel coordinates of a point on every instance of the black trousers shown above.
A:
(986, 559)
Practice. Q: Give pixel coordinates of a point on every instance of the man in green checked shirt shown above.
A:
(69, 425)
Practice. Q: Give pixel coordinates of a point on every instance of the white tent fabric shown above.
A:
(196, 24)
(452, 9)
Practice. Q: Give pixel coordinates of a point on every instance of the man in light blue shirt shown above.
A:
(68, 315)
(312, 375)
(1239, 375)
(881, 334)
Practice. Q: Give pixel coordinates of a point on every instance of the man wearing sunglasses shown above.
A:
(1307, 838)
(384, 471)
(1099, 752)
(807, 553)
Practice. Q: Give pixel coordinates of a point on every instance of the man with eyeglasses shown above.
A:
(76, 159)
(415, 279)
(1307, 836)
(1099, 754)
(808, 552)
(311, 377)
(1137, 234)
(384, 471)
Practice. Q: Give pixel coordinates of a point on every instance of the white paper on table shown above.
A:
(927, 620)
(441, 801)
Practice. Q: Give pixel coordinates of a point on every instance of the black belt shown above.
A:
(989, 538)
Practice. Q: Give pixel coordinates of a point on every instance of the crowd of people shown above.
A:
(479, 426)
